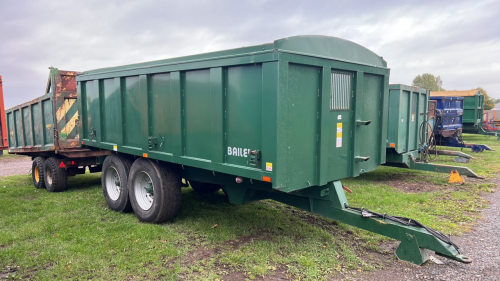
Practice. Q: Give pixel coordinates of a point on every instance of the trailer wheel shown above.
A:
(55, 177)
(155, 191)
(204, 187)
(114, 178)
(37, 172)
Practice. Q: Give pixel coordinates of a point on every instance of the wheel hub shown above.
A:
(113, 183)
(144, 190)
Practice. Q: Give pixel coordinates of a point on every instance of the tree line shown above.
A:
(434, 83)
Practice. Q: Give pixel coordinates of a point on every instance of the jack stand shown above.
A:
(409, 250)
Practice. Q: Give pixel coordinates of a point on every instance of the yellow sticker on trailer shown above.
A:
(339, 135)
(269, 166)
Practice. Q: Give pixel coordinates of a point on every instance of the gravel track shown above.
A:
(14, 166)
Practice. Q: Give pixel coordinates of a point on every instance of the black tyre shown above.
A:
(154, 191)
(114, 178)
(204, 187)
(55, 177)
(37, 169)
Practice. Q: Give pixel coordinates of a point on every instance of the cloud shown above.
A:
(458, 40)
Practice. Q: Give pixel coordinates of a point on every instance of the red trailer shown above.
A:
(3, 124)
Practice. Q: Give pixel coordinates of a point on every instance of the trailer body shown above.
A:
(47, 127)
(410, 124)
(299, 112)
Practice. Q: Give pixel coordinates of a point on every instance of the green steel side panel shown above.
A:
(176, 80)
(303, 121)
(196, 114)
(402, 126)
(11, 128)
(369, 107)
(19, 129)
(93, 110)
(112, 121)
(281, 165)
(83, 109)
(413, 120)
(217, 91)
(161, 106)
(325, 131)
(37, 124)
(243, 108)
(28, 133)
(340, 143)
(135, 115)
(48, 122)
(270, 115)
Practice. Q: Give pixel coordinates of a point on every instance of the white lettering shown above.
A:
(238, 151)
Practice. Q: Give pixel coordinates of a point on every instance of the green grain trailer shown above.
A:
(46, 129)
(472, 119)
(409, 129)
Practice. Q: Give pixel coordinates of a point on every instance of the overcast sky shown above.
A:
(458, 40)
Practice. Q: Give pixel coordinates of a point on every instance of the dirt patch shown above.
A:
(409, 183)
(8, 271)
(413, 187)
(198, 255)
(281, 273)
(236, 243)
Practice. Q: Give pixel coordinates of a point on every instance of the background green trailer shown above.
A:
(410, 126)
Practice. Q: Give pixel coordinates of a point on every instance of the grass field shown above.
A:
(74, 235)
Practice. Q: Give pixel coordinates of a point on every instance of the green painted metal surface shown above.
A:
(210, 110)
(408, 109)
(473, 113)
(33, 125)
(407, 131)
